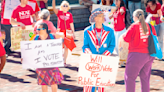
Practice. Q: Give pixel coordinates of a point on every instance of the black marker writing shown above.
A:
(28, 47)
(51, 56)
(37, 60)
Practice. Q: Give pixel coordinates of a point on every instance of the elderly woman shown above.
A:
(65, 23)
(44, 16)
(139, 61)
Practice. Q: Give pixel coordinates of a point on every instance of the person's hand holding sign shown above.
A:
(22, 25)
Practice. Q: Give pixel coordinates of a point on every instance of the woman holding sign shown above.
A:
(139, 60)
(119, 20)
(47, 76)
(65, 23)
(98, 39)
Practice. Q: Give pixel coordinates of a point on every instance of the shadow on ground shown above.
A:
(12, 78)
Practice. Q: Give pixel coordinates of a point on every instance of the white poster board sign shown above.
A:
(97, 70)
(42, 54)
(108, 10)
(10, 5)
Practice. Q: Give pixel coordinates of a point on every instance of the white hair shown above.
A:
(44, 14)
(64, 2)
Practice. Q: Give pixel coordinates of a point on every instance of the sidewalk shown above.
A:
(15, 79)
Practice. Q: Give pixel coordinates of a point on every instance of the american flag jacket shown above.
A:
(107, 44)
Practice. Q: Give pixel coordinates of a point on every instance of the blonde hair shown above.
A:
(64, 2)
(140, 15)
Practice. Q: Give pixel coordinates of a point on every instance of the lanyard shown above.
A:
(99, 38)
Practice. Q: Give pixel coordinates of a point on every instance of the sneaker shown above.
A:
(66, 65)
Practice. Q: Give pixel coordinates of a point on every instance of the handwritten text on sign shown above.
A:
(97, 70)
(42, 53)
(18, 34)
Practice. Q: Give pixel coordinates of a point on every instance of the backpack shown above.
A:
(37, 37)
(127, 19)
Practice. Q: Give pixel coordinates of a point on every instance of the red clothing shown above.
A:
(162, 9)
(4, 21)
(2, 50)
(67, 16)
(119, 19)
(42, 4)
(138, 41)
(158, 6)
(49, 23)
(23, 14)
(7, 21)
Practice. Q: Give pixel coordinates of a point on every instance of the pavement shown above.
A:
(16, 79)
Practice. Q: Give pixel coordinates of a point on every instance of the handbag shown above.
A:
(68, 40)
(153, 45)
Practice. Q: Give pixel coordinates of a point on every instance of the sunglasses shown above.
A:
(65, 5)
(40, 29)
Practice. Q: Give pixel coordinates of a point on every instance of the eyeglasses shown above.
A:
(40, 29)
(65, 5)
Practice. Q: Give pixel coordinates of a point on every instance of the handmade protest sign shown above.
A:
(10, 5)
(97, 70)
(18, 34)
(108, 10)
(42, 54)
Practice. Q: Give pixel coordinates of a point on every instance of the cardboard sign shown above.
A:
(123, 48)
(108, 10)
(97, 70)
(10, 5)
(42, 54)
(18, 34)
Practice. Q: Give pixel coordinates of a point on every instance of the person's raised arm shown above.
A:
(54, 7)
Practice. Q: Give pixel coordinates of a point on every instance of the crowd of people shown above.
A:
(98, 38)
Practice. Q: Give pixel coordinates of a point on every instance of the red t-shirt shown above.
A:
(7, 21)
(119, 19)
(23, 14)
(162, 9)
(67, 16)
(138, 41)
(158, 6)
(2, 50)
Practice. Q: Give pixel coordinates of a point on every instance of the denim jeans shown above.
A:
(117, 36)
(161, 36)
(132, 7)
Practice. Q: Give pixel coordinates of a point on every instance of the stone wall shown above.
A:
(80, 16)
(58, 2)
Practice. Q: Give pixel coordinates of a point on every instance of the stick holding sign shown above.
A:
(42, 54)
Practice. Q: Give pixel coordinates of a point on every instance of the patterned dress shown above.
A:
(49, 76)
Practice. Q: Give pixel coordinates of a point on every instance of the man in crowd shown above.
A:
(133, 5)
(6, 25)
(23, 13)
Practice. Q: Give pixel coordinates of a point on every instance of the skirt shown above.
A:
(2, 50)
(49, 77)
